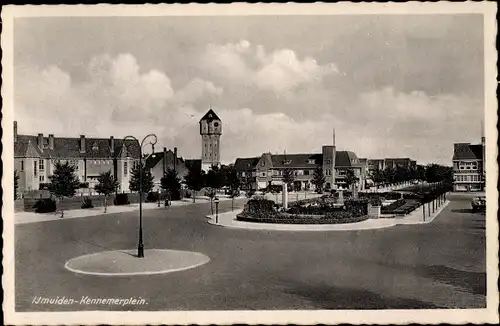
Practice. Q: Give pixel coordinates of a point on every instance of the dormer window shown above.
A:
(311, 161)
(286, 162)
(95, 147)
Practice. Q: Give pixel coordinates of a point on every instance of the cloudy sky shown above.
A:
(391, 86)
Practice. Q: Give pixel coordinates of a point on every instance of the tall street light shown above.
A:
(140, 246)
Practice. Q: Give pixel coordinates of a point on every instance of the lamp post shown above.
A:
(140, 246)
(216, 201)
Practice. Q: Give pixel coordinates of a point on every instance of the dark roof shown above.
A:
(193, 164)
(210, 115)
(296, 160)
(155, 158)
(244, 164)
(466, 151)
(70, 147)
(342, 159)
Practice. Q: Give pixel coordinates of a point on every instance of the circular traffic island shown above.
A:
(126, 262)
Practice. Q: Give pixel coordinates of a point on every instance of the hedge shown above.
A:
(45, 205)
(294, 219)
(389, 209)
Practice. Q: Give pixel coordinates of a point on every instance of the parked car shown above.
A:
(478, 204)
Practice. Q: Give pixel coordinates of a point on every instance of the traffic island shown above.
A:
(126, 262)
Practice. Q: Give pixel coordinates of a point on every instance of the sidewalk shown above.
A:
(31, 217)
(229, 220)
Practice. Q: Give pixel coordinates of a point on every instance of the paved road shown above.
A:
(441, 264)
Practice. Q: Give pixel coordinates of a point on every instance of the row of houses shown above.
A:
(268, 168)
(36, 156)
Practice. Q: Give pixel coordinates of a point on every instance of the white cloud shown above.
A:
(279, 71)
(117, 99)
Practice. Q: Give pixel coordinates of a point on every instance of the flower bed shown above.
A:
(309, 211)
(283, 218)
(389, 209)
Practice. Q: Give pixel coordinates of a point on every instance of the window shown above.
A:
(306, 172)
(34, 169)
(287, 162)
(95, 147)
(22, 165)
(328, 161)
(311, 161)
(263, 174)
(125, 169)
(41, 165)
(327, 172)
(42, 178)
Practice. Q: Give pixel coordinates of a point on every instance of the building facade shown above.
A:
(268, 168)
(159, 163)
(210, 131)
(469, 172)
(36, 156)
(382, 164)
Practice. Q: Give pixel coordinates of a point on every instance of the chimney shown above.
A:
(82, 144)
(40, 141)
(164, 160)
(51, 141)
(112, 145)
(175, 158)
(15, 131)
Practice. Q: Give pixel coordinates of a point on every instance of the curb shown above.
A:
(300, 227)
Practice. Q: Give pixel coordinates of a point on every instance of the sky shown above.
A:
(390, 85)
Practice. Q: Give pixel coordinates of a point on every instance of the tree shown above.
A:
(378, 176)
(389, 175)
(194, 180)
(318, 179)
(401, 174)
(421, 172)
(214, 180)
(288, 178)
(16, 183)
(106, 185)
(249, 183)
(63, 183)
(135, 177)
(233, 182)
(350, 179)
(171, 183)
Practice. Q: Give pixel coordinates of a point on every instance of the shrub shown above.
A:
(392, 195)
(83, 185)
(375, 201)
(187, 194)
(389, 209)
(121, 199)
(356, 207)
(43, 186)
(152, 197)
(275, 188)
(87, 203)
(45, 205)
(175, 194)
(260, 206)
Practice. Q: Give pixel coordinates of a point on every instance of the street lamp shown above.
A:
(140, 246)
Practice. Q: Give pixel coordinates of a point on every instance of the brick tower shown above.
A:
(210, 131)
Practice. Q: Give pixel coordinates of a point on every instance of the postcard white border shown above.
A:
(429, 316)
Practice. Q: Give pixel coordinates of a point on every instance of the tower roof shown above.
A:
(210, 116)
